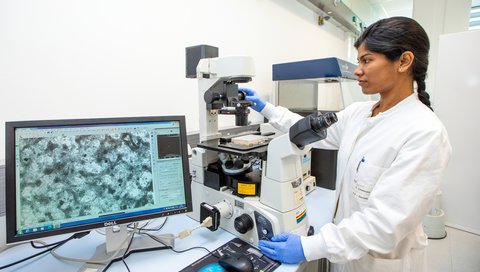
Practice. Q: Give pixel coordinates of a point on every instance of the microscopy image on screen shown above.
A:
(168, 146)
(70, 176)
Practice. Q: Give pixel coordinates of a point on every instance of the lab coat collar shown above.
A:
(407, 100)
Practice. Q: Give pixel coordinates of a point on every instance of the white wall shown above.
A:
(457, 97)
(440, 17)
(84, 59)
(455, 100)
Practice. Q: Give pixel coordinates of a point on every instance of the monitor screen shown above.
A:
(66, 176)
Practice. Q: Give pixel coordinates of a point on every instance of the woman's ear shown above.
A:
(405, 61)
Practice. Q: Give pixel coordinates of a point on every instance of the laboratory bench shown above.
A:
(320, 204)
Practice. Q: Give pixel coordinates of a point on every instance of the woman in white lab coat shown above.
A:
(391, 155)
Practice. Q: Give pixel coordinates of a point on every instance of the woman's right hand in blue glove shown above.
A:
(285, 247)
(251, 95)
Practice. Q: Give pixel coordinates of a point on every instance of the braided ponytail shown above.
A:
(395, 35)
(422, 94)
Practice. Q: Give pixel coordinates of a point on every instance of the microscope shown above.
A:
(250, 184)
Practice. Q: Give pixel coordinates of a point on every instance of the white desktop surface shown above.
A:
(319, 206)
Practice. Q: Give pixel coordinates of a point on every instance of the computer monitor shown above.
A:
(65, 176)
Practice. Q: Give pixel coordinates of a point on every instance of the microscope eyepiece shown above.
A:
(311, 128)
(323, 121)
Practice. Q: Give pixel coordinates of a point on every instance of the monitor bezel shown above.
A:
(10, 177)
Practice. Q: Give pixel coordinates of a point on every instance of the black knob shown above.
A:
(210, 97)
(241, 95)
(238, 164)
(243, 223)
(229, 164)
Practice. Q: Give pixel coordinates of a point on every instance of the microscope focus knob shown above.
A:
(243, 223)
(211, 97)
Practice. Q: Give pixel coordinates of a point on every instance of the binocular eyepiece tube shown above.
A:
(311, 128)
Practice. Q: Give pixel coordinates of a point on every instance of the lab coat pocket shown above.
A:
(364, 181)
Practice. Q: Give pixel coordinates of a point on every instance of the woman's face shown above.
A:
(375, 73)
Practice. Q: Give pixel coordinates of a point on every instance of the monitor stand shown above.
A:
(115, 236)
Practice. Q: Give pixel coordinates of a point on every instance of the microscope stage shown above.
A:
(257, 150)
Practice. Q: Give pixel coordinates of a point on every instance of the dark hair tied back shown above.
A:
(395, 35)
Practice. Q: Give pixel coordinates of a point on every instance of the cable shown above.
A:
(30, 257)
(106, 260)
(129, 226)
(207, 222)
(77, 235)
(197, 247)
(54, 246)
(132, 252)
(112, 258)
(155, 229)
(74, 236)
(32, 243)
(139, 231)
(128, 251)
(181, 251)
(142, 228)
(128, 247)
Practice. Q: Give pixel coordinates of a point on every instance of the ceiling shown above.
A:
(394, 7)
(401, 7)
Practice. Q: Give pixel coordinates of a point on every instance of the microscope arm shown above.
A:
(284, 151)
(283, 168)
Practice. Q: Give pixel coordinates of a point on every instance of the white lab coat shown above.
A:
(388, 172)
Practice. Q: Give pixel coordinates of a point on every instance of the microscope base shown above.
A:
(248, 215)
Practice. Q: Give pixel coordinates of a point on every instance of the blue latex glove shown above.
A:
(286, 248)
(251, 95)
